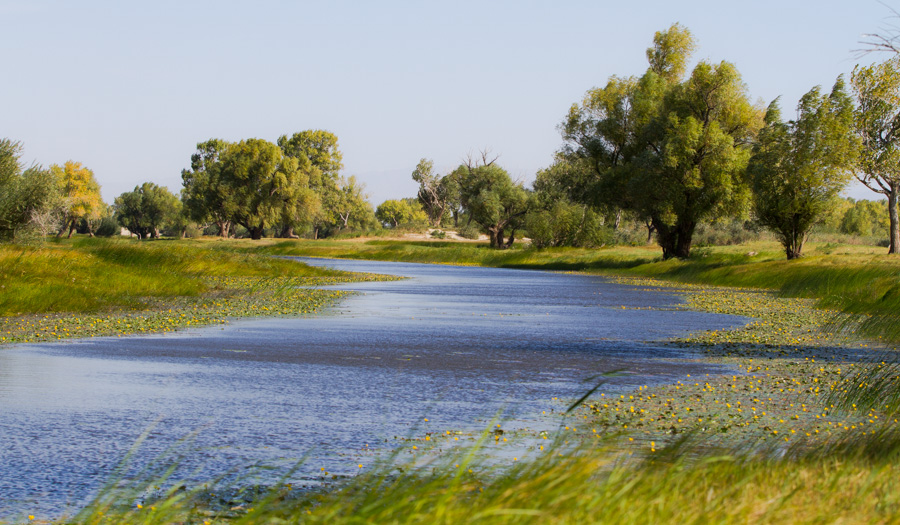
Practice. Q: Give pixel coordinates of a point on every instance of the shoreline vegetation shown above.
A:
(799, 432)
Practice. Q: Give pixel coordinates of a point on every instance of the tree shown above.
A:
(349, 205)
(494, 201)
(877, 90)
(669, 150)
(205, 197)
(865, 218)
(80, 192)
(393, 212)
(262, 181)
(320, 149)
(800, 167)
(147, 209)
(29, 199)
(433, 194)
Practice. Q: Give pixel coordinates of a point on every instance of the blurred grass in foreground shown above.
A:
(853, 481)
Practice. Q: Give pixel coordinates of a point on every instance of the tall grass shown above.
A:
(89, 275)
(851, 481)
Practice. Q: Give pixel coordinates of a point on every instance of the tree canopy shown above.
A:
(80, 193)
(877, 90)
(799, 167)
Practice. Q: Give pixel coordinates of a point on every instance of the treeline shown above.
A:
(248, 188)
(671, 151)
(661, 156)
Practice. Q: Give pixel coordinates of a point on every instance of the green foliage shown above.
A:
(494, 202)
(567, 224)
(30, 201)
(266, 186)
(877, 90)
(147, 209)
(669, 150)
(206, 198)
(866, 218)
(393, 212)
(799, 167)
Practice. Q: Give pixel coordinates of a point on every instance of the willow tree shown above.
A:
(206, 199)
(29, 197)
(877, 90)
(671, 149)
(494, 201)
(262, 180)
(800, 167)
(80, 193)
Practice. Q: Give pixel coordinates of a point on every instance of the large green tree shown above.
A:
(800, 167)
(336, 198)
(263, 182)
(670, 149)
(206, 198)
(494, 201)
(877, 90)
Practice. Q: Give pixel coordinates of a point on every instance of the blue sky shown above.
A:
(130, 88)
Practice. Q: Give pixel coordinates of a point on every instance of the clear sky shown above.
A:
(130, 88)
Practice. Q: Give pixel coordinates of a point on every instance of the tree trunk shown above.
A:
(650, 229)
(618, 221)
(895, 221)
(223, 227)
(666, 238)
(685, 231)
(496, 236)
(71, 229)
(512, 239)
(256, 233)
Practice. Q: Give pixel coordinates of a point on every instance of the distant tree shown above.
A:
(80, 192)
(494, 201)
(337, 199)
(349, 205)
(800, 167)
(559, 215)
(865, 218)
(433, 195)
(147, 209)
(206, 198)
(393, 212)
(29, 198)
(877, 90)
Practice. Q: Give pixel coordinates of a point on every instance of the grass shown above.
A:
(101, 287)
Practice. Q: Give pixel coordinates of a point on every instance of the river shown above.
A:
(455, 345)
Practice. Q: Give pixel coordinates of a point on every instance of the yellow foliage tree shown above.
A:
(80, 192)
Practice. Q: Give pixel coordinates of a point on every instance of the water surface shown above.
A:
(453, 344)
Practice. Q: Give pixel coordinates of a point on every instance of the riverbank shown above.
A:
(100, 287)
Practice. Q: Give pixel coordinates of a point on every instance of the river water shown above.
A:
(455, 345)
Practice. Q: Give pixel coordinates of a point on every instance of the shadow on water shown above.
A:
(450, 344)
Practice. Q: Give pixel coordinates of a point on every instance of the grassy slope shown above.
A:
(94, 287)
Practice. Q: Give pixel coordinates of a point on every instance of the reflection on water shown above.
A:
(453, 344)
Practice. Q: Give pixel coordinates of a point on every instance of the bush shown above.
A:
(726, 234)
(470, 231)
(107, 227)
